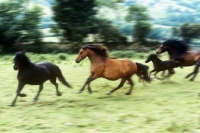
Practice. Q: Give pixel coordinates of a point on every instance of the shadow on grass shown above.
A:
(114, 98)
(169, 82)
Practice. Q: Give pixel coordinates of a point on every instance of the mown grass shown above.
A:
(159, 107)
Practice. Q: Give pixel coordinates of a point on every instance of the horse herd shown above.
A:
(106, 67)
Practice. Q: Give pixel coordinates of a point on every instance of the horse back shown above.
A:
(115, 69)
(190, 58)
(52, 68)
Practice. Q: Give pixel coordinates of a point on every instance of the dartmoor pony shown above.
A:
(179, 51)
(109, 68)
(35, 74)
(160, 65)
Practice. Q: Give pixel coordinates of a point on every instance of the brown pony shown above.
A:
(179, 51)
(109, 68)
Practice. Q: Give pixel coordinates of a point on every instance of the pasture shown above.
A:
(170, 106)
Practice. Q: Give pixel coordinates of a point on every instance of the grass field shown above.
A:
(171, 106)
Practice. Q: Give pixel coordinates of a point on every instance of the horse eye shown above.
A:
(81, 52)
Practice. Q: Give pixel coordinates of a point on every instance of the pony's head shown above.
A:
(91, 49)
(19, 59)
(151, 57)
(176, 45)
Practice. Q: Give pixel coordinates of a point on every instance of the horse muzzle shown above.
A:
(158, 51)
(77, 61)
(15, 67)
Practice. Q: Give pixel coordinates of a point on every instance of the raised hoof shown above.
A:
(69, 86)
(108, 93)
(22, 95)
(191, 79)
(127, 93)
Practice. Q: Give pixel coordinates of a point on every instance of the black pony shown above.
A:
(179, 51)
(35, 74)
(160, 65)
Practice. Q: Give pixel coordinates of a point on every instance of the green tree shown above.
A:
(76, 18)
(18, 22)
(106, 32)
(187, 31)
(109, 3)
(175, 32)
(138, 15)
(28, 25)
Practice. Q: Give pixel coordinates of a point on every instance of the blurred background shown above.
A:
(56, 26)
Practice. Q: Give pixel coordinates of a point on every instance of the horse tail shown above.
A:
(61, 78)
(142, 72)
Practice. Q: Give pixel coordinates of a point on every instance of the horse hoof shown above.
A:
(59, 94)
(108, 93)
(90, 92)
(12, 105)
(127, 93)
(191, 79)
(69, 86)
(79, 92)
(22, 95)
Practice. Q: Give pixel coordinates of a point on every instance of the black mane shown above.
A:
(97, 48)
(177, 45)
(21, 56)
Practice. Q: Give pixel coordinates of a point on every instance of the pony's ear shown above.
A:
(23, 52)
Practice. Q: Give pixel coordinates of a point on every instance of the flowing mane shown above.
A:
(97, 48)
(177, 45)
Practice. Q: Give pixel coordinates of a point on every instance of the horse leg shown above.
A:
(151, 72)
(53, 81)
(40, 89)
(119, 86)
(19, 89)
(196, 70)
(156, 76)
(170, 73)
(89, 88)
(87, 82)
(163, 73)
(131, 86)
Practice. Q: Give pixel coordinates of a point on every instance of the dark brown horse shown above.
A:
(179, 51)
(35, 74)
(160, 65)
(109, 68)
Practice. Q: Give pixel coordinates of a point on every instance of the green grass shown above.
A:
(160, 107)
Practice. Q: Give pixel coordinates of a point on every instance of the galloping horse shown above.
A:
(160, 65)
(109, 68)
(35, 74)
(179, 51)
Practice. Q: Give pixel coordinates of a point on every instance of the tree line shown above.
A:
(75, 19)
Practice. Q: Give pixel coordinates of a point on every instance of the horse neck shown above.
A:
(156, 60)
(173, 54)
(95, 58)
(27, 65)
